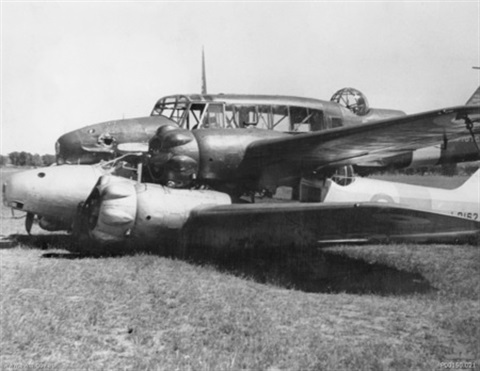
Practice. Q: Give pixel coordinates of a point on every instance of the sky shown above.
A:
(65, 65)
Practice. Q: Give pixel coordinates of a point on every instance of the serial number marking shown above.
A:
(473, 216)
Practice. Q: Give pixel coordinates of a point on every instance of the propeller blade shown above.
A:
(29, 222)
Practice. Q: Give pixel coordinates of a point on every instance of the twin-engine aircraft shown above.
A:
(235, 161)
(284, 114)
(119, 214)
(217, 111)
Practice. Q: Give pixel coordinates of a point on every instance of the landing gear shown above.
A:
(314, 188)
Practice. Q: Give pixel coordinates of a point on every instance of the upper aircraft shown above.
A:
(282, 114)
(105, 141)
(238, 161)
(287, 114)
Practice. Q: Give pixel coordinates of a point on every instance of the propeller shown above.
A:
(29, 222)
(174, 156)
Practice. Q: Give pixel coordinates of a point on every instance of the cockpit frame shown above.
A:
(288, 114)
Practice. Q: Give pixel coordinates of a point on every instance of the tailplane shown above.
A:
(474, 99)
(472, 185)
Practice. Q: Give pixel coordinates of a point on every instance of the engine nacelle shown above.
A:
(174, 156)
(121, 210)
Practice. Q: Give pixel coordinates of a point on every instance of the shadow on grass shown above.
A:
(310, 271)
(42, 241)
(324, 272)
(60, 241)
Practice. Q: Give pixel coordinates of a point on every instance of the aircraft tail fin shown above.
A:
(472, 185)
(204, 76)
(474, 99)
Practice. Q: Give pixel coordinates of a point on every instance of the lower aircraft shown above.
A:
(120, 210)
(118, 213)
(463, 202)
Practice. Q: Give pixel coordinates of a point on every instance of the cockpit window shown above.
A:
(280, 119)
(174, 108)
(213, 117)
(299, 117)
(264, 117)
(197, 111)
(231, 116)
(248, 116)
(194, 116)
(306, 119)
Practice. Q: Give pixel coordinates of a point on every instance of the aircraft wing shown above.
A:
(361, 143)
(256, 226)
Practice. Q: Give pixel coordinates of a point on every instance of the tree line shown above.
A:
(26, 159)
(35, 160)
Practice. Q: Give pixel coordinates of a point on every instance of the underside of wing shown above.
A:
(362, 143)
(296, 225)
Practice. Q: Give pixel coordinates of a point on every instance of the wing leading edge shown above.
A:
(365, 143)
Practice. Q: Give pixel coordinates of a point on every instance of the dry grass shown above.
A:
(149, 312)
(357, 307)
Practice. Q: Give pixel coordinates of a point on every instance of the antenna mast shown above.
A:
(204, 76)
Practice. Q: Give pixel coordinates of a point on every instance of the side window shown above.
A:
(248, 116)
(194, 115)
(317, 121)
(337, 122)
(300, 119)
(214, 116)
(231, 116)
(264, 117)
(280, 118)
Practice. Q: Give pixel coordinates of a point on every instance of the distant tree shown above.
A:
(36, 160)
(3, 160)
(48, 159)
(449, 169)
(14, 158)
(27, 159)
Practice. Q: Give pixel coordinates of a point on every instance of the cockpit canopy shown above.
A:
(243, 111)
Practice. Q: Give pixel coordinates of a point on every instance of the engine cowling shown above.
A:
(120, 210)
(174, 157)
(352, 99)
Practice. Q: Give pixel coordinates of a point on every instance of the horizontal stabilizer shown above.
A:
(474, 99)
(472, 185)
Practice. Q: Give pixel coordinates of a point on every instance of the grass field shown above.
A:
(347, 307)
